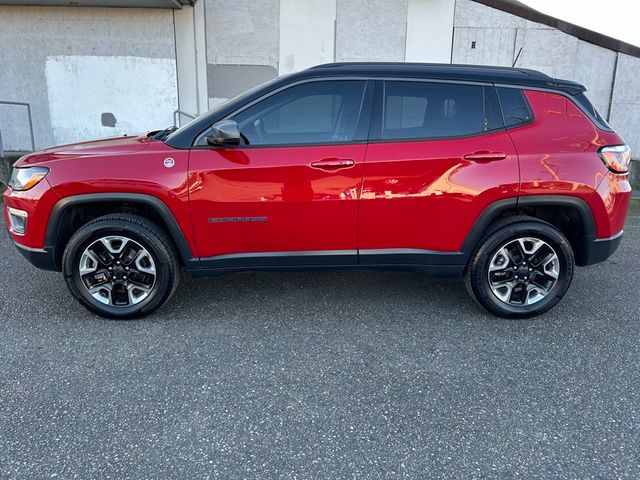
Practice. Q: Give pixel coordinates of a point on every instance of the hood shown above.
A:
(107, 146)
(124, 144)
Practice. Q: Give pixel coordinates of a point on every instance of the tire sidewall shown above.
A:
(88, 235)
(539, 230)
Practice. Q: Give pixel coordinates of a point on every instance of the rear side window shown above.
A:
(424, 110)
(515, 109)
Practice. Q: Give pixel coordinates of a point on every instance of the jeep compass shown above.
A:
(506, 177)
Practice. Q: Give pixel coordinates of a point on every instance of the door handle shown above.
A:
(333, 163)
(485, 155)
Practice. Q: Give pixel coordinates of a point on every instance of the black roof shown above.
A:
(440, 71)
(183, 137)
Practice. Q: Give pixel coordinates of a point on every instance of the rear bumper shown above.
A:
(40, 258)
(599, 249)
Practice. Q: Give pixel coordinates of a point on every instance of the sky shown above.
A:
(614, 18)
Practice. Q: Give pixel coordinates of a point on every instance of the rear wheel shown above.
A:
(121, 266)
(523, 268)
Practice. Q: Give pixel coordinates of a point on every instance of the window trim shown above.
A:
(375, 134)
(362, 124)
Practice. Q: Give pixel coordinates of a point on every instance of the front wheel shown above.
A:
(121, 266)
(523, 268)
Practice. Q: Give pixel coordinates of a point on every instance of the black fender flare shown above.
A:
(59, 209)
(495, 209)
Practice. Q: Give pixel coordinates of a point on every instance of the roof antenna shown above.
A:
(517, 57)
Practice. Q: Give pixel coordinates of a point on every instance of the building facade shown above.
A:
(73, 73)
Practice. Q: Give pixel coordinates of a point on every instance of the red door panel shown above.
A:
(428, 194)
(275, 199)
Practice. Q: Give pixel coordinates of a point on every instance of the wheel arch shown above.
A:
(571, 215)
(60, 224)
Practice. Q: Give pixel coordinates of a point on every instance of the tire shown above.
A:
(543, 261)
(146, 255)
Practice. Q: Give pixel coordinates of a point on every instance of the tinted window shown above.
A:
(316, 112)
(515, 108)
(588, 106)
(421, 110)
(493, 115)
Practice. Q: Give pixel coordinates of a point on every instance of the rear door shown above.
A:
(438, 156)
(289, 194)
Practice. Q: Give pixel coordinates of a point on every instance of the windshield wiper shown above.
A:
(163, 134)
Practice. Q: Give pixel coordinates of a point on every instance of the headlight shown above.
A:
(26, 178)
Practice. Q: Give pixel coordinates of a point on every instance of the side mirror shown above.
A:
(224, 133)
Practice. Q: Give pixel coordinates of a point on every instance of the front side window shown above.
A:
(310, 113)
(423, 110)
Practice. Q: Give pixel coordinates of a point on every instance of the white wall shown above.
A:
(429, 31)
(139, 92)
(242, 32)
(371, 30)
(307, 34)
(191, 60)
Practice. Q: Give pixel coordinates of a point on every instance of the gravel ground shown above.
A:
(321, 375)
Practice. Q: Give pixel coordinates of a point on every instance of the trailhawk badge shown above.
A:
(237, 219)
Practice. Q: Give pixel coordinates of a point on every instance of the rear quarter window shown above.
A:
(584, 102)
(514, 105)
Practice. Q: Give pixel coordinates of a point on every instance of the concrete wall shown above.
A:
(75, 64)
(242, 45)
(249, 42)
(429, 30)
(307, 33)
(625, 107)
(371, 30)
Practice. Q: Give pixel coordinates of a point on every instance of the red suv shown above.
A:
(505, 176)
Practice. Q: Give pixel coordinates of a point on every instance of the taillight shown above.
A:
(616, 158)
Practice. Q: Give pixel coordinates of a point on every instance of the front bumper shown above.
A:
(43, 258)
(35, 206)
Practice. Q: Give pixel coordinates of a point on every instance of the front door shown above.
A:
(290, 193)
